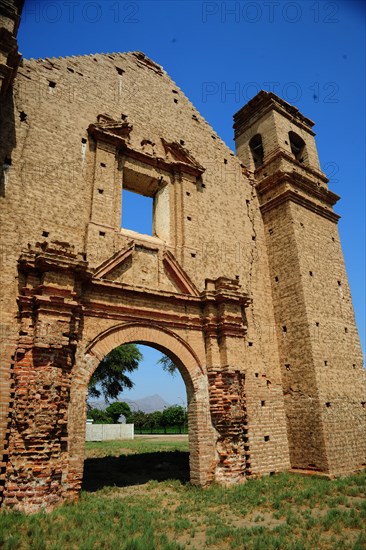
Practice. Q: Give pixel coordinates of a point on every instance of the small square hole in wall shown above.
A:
(317, 324)
(175, 100)
(263, 403)
(345, 330)
(189, 218)
(310, 273)
(181, 141)
(193, 254)
(256, 374)
(103, 164)
(266, 438)
(51, 84)
(101, 191)
(83, 140)
(276, 279)
(137, 212)
(102, 233)
(45, 233)
(287, 366)
(120, 71)
(270, 231)
(250, 344)
(325, 363)
(339, 283)
(188, 194)
(284, 328)
(354, 365)
(328, 404)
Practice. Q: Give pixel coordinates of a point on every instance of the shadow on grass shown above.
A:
(122, 471)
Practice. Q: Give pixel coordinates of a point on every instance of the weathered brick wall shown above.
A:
(58, 168)
(225, 272)
(337, 356)
(320, 355)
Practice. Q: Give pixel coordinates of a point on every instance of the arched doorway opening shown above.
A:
(201, 436)
(149, 441)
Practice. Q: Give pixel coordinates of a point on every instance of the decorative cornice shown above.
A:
(117, 133)
(292, 196)
(298, 181)
(264, 102)
(54, 256)
(217, 311)
(225, 290)
(182, 158)
(279, 154)
(117, 287)
(160, 163)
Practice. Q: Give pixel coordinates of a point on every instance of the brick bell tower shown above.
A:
(321, 360)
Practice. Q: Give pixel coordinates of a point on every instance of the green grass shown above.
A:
(154, 512)
(161, 431)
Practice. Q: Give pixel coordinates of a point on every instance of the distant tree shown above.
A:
(138, 418)
(116, 409)
(153, 420)
(173, 416)
(168, 364)
(110, 374)
(100, 417)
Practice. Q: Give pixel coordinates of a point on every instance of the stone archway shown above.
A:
(201, 432)
(71, 317)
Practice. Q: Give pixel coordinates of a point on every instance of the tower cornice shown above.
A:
(261, 104)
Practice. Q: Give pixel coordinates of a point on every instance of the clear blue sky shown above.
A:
(311, 53)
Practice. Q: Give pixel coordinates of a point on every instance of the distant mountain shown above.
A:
(147, 404)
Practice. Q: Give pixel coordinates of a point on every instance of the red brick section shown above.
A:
(228, 413)
(37, 447)
(38, 442)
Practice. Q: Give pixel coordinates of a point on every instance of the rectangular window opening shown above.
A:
(137, 212)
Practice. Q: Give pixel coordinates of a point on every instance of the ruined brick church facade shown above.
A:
(242, 282)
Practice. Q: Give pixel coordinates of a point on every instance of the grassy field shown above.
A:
(137, 497)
